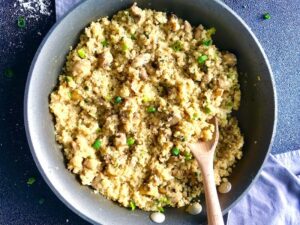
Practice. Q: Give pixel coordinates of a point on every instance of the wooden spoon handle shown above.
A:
(214, 213)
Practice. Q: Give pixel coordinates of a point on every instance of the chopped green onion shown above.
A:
(211, 31)
(81, 53)
(175, 151)
(68, 78)
(207, 110)
(70, 94)
(41, 201)
(195, 116)
(160, 209)
(133, 36)
(31, 180)
(130, 141)
(146, 99)
(98, 130)
(118, 99)
(21, 22)
(188, 156)
(124, 47)
(229, 104)
(104, 43)
(97, 144)
(151, 109)
(201, 59)
(266, 16)
(164, 200)
(177, 46)
(8, 73)
(107, 98)
(132, 205)
(207, 42)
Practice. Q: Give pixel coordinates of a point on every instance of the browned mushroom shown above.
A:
(198, 31)
(120, 139)
(105, 59)
(187, 26)
(143, 74)
(141, 60)
(137, 13)
(173, 22)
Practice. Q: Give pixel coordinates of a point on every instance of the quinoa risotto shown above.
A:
(133, 93)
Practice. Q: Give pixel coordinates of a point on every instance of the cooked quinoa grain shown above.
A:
(133, 93)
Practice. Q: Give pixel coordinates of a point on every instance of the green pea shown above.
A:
(118, 99)
(151, 109)
(81, 53)
(130, 141)
(97, 144)
(201, 59)
(175, 151)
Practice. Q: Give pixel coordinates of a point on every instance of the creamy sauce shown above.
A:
(194, 208)
(158, 217)
(224, 187)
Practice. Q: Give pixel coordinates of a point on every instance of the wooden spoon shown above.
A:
(204, 154)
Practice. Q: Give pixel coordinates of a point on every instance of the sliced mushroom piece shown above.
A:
(82, 67)
(143, 190)
(90, 163)
(105, 59)
(173, 22)
(120, 139)
(143, 74)
(187, 26)
(74, 145)
(174, 119)
(135, 86)
(137, 13)
(198, 31)
(150, 69)
(141, 60)
(162, 190)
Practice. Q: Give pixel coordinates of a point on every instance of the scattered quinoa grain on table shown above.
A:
(134, 92)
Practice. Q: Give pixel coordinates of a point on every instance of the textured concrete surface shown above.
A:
(280, 37)
(36, 204)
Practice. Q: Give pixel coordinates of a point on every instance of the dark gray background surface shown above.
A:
(21, 203)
